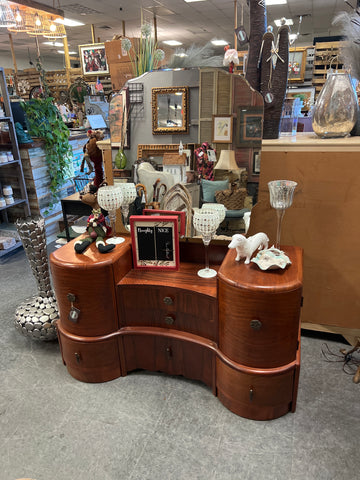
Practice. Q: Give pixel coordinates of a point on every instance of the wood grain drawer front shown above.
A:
(259, 397)
(91, 362)
(90, 293)
(258, 329)
(169, 355)
(169, 308)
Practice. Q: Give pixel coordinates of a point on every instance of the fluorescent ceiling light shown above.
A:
(54, 44)
(182, 54)
(70, 53)
(293, 36)
(69, 23)
(219, 43)
(192, 1)
(275, 2)
(288, 21)
(172, 43)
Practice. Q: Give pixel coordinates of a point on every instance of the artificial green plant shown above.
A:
(144, 55)
(45, 122)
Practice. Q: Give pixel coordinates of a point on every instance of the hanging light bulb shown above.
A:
(37, 20)
(18, 16)
(52, 27)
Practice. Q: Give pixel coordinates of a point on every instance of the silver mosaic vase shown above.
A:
(336, 107)
(37, 316)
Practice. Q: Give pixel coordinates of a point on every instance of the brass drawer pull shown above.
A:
(168, 301)
(74, 312)
(169, 320)
(255, 324)
(77, 356)
(169, 351)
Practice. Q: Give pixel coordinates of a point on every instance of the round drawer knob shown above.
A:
(168, 301)
(255, 324)
(169, 320)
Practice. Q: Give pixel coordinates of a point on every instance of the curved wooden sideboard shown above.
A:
(238, 333)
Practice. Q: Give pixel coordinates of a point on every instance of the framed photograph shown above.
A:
(181, 216)
(249, 127)
(93, 59)
(297, 64)
(306, 95)
(222, 129)
(256, 163)
(155, 242)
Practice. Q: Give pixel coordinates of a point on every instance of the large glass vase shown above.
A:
(335, 110)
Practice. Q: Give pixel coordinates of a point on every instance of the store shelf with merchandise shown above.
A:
(13, 195)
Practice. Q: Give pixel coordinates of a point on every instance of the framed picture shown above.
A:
(93, 59)
(155, 242)
(180, 215)
(256, 162)
(249, 127)
(306, 95)
(119, 118)
(297, 64)
(222, 129)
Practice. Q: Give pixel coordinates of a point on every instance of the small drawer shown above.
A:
(169, 308)
(91, 362)
(255, 396)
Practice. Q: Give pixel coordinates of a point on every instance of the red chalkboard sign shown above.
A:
(155, 242)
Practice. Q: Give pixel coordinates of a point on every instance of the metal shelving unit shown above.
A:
(11, 172)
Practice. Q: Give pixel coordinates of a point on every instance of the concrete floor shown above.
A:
(153, 426)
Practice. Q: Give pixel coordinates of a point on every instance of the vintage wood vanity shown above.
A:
(239, 333)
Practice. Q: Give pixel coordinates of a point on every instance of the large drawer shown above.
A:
(170, 355)
(167, 307)
(258, 329)
(255, 396)
(97, 361)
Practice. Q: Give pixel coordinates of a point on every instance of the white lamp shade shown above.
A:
(227, 161)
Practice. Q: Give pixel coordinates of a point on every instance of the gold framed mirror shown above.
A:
(170, 107)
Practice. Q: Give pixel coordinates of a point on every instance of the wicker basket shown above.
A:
(232, 199)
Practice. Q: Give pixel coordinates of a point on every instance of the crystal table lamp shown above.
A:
(281, 198)
(110, 198)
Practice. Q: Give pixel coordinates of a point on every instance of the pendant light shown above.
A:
(24, 21)
(56, 30)
(41, 26)
(7, 18)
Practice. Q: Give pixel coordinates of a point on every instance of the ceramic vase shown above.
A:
(120, 159)
(37, 316)
(336, 108)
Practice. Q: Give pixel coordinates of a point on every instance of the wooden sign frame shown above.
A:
(155, 242)
(181, 215)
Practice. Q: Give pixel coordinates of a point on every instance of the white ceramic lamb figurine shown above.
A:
(245, 247)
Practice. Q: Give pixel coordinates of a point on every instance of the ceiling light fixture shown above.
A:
(68, 22)
(193, 1)
(70, 53)
(54, 44)
(288, 21)
(172, 43)
(219, 43)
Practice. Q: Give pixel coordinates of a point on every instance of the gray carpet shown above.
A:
(153, 426)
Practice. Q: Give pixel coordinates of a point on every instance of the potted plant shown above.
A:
(45, 122)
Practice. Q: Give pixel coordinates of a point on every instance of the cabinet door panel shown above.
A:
(169, 355)
(94, 296)
(259, 397)
(258, 329)
(91, 362)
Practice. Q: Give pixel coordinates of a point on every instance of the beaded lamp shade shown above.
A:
(7, 18)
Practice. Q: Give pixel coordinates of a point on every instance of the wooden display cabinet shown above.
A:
(238, 332)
